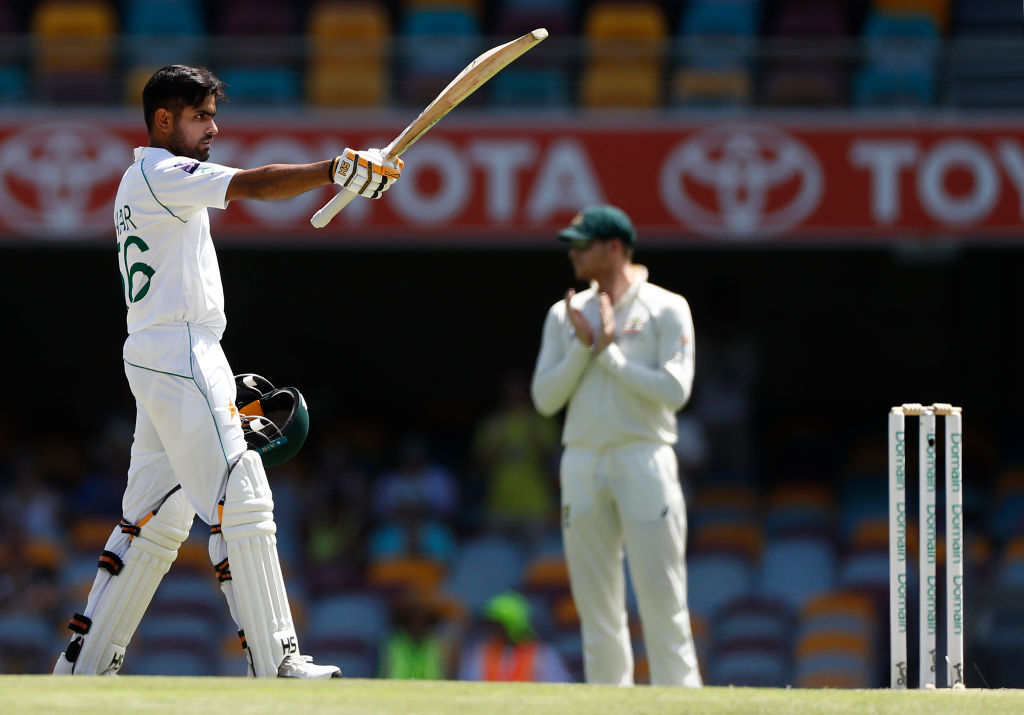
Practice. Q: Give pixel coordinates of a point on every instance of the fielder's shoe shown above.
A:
(302, 666)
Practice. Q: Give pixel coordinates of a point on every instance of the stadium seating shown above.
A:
(13, 79)
(623, 67)
(841, 611)
(731, 504)
(530, 89)
(169, 662)
(750, 665)
(1010, 568)
(745, 538)
(394, 575)
(349, 617)
(799, 507)
(796, 568)
(899, 68)
(162, 32)
(834, 660)
(435, 44)
(515, 17)
(937, 10)
(752, 619)
(349, 54)
(795, 81)
(28, 643)
(74, 50)
(259, 59)
(716, 577)
(714, 67)
(1007, 511)
(484, 567)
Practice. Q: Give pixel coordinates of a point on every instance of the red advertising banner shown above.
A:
(480, 180)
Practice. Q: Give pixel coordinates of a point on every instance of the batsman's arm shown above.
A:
(363, 173)
(279, 181)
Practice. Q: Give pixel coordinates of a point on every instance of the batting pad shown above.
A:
(117, 602)
(248, 527)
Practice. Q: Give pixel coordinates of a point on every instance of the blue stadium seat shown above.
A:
(278, 86)
(186, 592)
(435, 43)
(531, 88)
(28, 631)
(753, 619)
(900, 67)
(356, 658)
(795, 569)
(720, 17)
(160, 32)
(169, 662)
(484, 567)
(351, 616)
(158, 631)
(865, 569)
(751, 666)
(716, 578)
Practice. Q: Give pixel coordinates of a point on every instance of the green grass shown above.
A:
(240, 696)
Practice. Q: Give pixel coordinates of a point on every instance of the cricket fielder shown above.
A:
(189, 454)
(621, 355)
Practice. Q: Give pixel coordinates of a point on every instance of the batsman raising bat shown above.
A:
(190, 455)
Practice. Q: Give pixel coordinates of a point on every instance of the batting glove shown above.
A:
(366, 173)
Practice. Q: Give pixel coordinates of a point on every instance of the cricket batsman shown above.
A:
(189, 454)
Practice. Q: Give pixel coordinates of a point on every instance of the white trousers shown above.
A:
(187, 429)
(628, 498)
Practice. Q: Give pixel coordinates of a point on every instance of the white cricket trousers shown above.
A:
(187, 429)
(628, 497)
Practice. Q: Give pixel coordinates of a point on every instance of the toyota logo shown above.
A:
(741, 181)
(58, 179)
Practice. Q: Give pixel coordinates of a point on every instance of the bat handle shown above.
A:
(339, 201)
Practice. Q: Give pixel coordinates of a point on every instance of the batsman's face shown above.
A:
(194, 130)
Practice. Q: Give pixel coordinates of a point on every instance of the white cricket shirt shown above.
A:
(169, 270)
(630, 391)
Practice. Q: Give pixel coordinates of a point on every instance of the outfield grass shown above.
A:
(45, 694)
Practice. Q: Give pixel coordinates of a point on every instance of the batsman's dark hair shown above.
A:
(176, 87)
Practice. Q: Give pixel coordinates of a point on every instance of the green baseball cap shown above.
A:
(512, 612)
(602, 221)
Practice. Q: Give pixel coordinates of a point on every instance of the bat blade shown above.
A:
(475, 74)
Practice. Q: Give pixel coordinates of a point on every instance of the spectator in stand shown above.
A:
(417, 480)
(510, 650)
(415, 649)
(515, 450)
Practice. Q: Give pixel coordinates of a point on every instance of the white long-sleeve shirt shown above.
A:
(633, 388)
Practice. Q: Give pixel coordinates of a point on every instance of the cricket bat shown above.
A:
(465, 83)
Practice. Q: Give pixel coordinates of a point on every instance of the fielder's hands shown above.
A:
(366, 173)
(584, 333)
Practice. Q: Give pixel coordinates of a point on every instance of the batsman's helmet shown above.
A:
(275, 421)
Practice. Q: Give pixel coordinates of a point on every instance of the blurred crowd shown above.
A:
(407, 553)
(602, 53)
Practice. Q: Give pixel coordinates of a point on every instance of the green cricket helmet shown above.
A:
(275, 420)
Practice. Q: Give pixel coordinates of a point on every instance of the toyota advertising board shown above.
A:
(470, 180)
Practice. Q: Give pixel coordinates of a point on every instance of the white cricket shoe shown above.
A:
(302, 666)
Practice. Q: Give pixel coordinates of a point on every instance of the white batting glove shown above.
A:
(366, 173)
